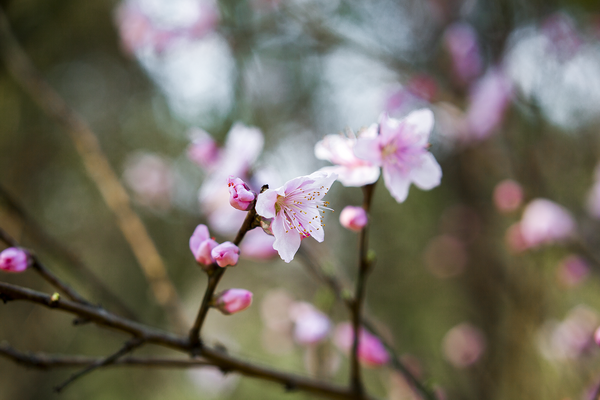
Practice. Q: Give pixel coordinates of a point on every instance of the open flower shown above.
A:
(401, 151)
(339, 150)
(294, 208)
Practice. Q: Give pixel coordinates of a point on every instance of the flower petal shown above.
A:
(396, 182)
(287, 242)
(428, 175)
(265, 203)
(368, 149)
(421, 122)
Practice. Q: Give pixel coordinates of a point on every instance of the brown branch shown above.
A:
(220, 359)
(215, 273)
(58, 249)
(97, 167)
(127, 348)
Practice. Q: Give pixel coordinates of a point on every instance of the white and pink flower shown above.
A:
(401, 150)
(295, 210)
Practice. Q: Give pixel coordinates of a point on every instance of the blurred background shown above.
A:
(485, 294)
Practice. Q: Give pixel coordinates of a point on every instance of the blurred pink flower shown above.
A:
(241, 197)
(203, 150)
(257, 245)
(545, 222)
(461, 41)
(572, 270)
(202, 245)
(371, 351)
(489, 98)
(310, 325)
(593, 197)
(463, 345)
(339, 150)
(225, 254)
(294, 208)
(563, 39)
(572, 337)
(354, 218)
(14, 259)
(151, 178)
(508, 196)
(401, 150)
(232, 301)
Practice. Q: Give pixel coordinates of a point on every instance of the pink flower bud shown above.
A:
(353, 218)
(232, 301)
(14, 259)
(240, 195)
(226, 254)
(508, 196)
(371, 351)
(202, 245)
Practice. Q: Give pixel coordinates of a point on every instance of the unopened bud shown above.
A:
(14, 259)
(353, 218)
(232, 301)
(240, 194)
(226, 254)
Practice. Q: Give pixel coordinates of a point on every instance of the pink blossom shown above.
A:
(203, 150)
(401, 150)
(151, 178)
(461, 42)
(488, 100)
(572, 337)
(353, 218)
(371, 351)
(545, 222)
(226, 254)
(463, 345)
(202, 245)
(14, 259)
(257, 245)
(310, 325)
(508, 196)
(339, 150)
(241, 197)
(294, 208)
(232, 301)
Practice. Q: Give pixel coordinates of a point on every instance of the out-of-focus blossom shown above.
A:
(371, 351)
(445, 256)
(545, 222)
(572, 337)
(310, 325)
(514, 238)
(203, 150)
(461, 41)
(241, 197)
(139, 31)
(463, 345)
(572, 270)
(232, 301)
(597, 336)
(401, 150)
(339, 150)
(242, 148)
(488, 101)
(257, 245)
(226, 254)
(212, 383)
(354, 218)
(295, 210)
(151, 179)
(202, 245)
(563, 39)
(593, 197)
(14, 259)
(419, 91)
(274, 310)
(508, 196)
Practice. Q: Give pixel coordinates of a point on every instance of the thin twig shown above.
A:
(46, 273)
(98, 168)
(127, 347)
(214, 276)
(359, 296)
(219, 358)
(58, 249)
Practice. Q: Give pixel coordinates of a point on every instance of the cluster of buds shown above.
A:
(207, 251)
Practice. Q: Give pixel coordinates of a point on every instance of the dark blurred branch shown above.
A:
(214, 276)
(58, 249)
(127, 348)
(98, 168)
(147, 334)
